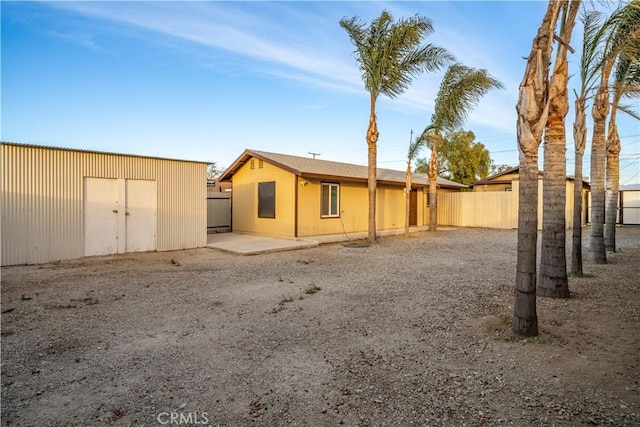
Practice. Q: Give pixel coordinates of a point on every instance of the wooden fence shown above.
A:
(218, 211)
(629, 207)
(494, 209)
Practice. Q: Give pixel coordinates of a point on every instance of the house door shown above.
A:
(119, 216)
(413, 207)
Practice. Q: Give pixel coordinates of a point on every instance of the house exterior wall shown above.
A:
(354, 205)
(245, 200)
(42, 200)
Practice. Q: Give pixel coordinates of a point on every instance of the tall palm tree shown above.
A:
(553, 262)
(460, 91)
(532, 109)
(389, 55)
(415, 145)
(626, 83)
(621, 34)
(588, 68)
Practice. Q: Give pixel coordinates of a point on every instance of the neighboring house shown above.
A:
(60, 203)
(503, 181)
(287, 196)
(499, 182)
(215, 186)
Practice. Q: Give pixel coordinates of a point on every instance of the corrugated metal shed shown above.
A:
(44, 201)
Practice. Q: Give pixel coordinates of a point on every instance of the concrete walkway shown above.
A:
(249, 244)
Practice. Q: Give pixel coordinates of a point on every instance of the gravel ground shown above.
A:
(411, 331)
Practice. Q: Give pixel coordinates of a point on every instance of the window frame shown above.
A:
(267, 207)
(328, 204)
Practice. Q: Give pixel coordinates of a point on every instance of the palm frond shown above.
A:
(627, 109)
(460, 91)
(592, 57)
(390, 54)
(415, 146)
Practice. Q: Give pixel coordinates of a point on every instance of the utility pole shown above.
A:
(314, 154)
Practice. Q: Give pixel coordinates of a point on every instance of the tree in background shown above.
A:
(213, 171)
(553, 280)
(532, 109)
(389, 55)
(460, 158)
(460, 91)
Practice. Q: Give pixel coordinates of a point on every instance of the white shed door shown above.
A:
(100, 216)
(119, 216)
(140, 215)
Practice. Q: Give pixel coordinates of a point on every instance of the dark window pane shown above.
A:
(267, 199)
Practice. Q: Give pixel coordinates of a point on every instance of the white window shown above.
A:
(330, 203)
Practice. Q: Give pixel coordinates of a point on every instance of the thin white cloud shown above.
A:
(222, 25)
(258, 34)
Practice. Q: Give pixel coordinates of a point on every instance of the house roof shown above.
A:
(323, 169)
(494, 179)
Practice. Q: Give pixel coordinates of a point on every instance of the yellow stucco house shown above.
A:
(288, 196)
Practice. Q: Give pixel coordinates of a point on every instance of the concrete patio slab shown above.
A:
(248, 244)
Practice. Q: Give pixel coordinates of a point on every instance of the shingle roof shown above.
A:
(316, 168)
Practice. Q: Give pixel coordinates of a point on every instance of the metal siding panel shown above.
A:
(182, 209)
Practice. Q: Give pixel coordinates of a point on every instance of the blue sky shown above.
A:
(205, 80)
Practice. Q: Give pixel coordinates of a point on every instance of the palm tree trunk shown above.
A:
(579, 141)
(553, 262)
(532, 111)
(599, 113)
(407, 190)
(433, 188)
(576, 247)
(372, 139)
(612, 184)
(553, 259)
(525, 318)
(596, 248)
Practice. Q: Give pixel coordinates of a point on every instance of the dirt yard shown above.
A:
(412, 331)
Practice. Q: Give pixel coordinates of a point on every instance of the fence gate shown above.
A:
(629, 207)
(218, 211)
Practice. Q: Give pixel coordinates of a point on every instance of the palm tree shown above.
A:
(588, 68)
(553, 262)
(460, 91)
(532, 108)
(621, 35)
(415, 145)
(389, 55)
(626, 83)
